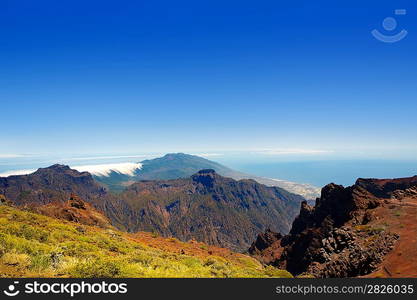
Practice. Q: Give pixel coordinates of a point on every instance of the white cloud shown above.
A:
(98, 170)
(291, 151)
(110, 157)
(207, 154)
(106, 169)
(11, 155)
(16, 172)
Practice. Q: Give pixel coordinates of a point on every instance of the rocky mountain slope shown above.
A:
(206, 206)
(369, 228)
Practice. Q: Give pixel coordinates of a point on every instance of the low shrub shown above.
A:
(97, 268)
(21, 261)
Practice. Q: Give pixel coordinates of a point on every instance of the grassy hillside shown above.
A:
(33, 245)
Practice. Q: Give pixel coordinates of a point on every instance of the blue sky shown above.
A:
(208, 76)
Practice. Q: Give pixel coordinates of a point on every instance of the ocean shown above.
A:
(320, 173)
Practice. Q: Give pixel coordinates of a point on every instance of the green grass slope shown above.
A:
(33, 245)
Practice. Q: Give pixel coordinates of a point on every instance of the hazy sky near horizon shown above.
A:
(168, 76)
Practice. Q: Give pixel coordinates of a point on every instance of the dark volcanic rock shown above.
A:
(76, 202)
(303, 220)
(205, 177)
(4, 201)
(266, 247)
(264, 240)
(336, 238)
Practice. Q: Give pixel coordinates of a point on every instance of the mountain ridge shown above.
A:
(216, 209)
(116, 176)
(205, 206)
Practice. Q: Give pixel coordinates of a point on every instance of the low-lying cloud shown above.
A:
(17, 172)
(291, 151)
(107, 169)
(97, 170)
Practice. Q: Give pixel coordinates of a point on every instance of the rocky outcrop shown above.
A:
(4, 201)
(74, 210)
(383, 188)
(344, 234)
(345, 252)
(265, 247)
(264, 240)
(401, 194)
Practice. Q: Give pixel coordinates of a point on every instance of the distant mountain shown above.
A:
(177, 165)
(206, 206)
(180, 165)
(46, 185)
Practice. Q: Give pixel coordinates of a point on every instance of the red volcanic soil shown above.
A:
(400, 217)
(74, 210)
(191, 247)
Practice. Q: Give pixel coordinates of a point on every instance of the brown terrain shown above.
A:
(368, 229)
(192, 247)
(402, 218)
(74, 210)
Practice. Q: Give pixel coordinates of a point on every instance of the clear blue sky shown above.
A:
(143, 76)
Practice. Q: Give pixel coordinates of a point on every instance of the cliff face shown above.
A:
(350, 230)
(209, 208)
